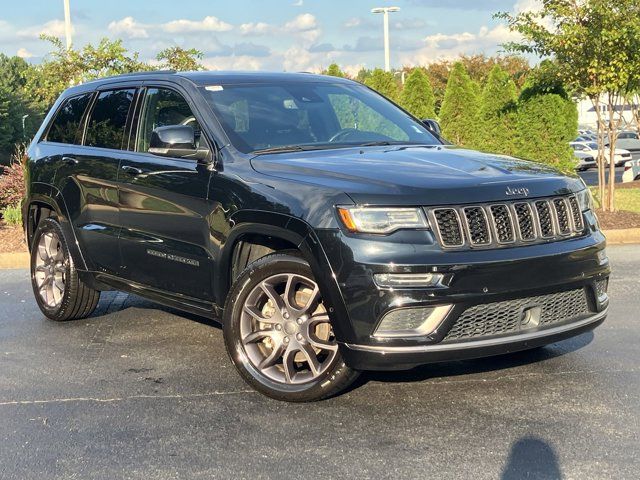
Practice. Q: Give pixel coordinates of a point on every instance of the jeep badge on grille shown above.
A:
(524, 191)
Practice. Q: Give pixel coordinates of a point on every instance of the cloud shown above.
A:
(251, 50)
(322, 47)
(129, 28)
(24, 53)
(207, 24)
(447, 46)
(233, 62)
(305, 26)
(298, 3)
(353, 22)
(258, 28)
(302, 23)
(53, 27)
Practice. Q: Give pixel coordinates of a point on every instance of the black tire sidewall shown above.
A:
(323, 386)
(45, 226)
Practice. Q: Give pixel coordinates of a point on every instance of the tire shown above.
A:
(276, 345)
(60, 294)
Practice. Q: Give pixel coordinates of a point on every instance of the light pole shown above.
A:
(385, 11)
(67, 23)
(24, 117)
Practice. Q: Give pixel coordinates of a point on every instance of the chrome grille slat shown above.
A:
(507, 223)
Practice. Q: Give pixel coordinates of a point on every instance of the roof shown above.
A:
(215, 77)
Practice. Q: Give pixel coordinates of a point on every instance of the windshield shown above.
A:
(310, 115)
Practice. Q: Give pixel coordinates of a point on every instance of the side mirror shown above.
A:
(432, 125)
(178, 141)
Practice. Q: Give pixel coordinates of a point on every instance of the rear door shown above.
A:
(163, 202)
(87, 135)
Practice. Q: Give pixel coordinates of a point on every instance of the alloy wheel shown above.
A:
(285, 330)
(50, 270)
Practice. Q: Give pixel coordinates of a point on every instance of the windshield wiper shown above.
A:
(380, 143)
(280, 149)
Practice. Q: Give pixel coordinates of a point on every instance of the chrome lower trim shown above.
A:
(482, 343)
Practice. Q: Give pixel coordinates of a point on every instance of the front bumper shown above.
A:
(367, 357)
(473, 278)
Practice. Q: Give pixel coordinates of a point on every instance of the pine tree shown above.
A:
(497, 118)
(384, 83)
(459, 112)
(545, 126)
(417, 95)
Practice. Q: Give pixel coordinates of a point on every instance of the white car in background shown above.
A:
(631, 171)
(585, 161)
(591, 148)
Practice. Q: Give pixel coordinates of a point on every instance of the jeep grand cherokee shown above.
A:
(328, 229)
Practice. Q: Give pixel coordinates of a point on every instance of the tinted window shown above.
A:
(321, 115)
(163, 107)
(108, 119)
(66, 127)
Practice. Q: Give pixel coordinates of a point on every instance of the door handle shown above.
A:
(70, 160)
(131, 170)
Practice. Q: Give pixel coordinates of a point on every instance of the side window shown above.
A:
(353, 113)
(106, 128)
(66, 127)
(163, 107)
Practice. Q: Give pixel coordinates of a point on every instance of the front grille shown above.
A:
(511, 316)
(544, 217)
(477, 226)
(503, 224)
(449, 228)
(601, 287)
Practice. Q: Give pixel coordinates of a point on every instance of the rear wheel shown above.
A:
(278, 333)
(60, 294)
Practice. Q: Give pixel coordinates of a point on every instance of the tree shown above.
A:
(545, 126)
(596, 48)
(64, 68)
(384, 83)
(334, 71)
(459, 112)
(497, 113)
(180, 59)
(417, 95)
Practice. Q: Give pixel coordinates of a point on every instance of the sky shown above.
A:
(291, 35)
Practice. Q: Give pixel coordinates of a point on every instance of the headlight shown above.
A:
(381, 220)
(585, 200)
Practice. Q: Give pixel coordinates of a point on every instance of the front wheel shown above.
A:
(278, 333)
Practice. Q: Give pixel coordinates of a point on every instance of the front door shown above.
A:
(163, 204)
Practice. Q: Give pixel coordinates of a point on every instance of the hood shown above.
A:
(418, 175)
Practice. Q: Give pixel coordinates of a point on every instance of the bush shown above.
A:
(459, 112)
(12, 216)
(12, 181)
(545, 126)
(417, 95)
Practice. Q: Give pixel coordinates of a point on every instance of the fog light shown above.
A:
(390, 280)
(411, 322)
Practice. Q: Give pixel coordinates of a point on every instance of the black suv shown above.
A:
(331, 231)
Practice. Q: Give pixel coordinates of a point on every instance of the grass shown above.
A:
(627, 199)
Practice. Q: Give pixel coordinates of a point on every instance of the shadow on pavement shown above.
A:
(531, 457)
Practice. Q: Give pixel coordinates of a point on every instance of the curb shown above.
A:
(614, 237)
(14, 260)
(622, 236)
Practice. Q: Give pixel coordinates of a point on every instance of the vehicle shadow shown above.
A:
(481, 365)
(532, 457)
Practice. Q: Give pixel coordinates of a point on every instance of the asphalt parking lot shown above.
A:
(140, 391)
(590, 176)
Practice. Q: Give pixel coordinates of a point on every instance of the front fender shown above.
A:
(299, 233)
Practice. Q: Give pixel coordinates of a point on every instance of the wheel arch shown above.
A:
(46, 201)
(274, 229)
